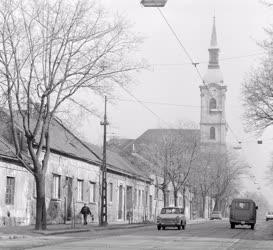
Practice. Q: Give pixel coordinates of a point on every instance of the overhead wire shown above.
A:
(204, 62)
(192, 62)
(145, 106)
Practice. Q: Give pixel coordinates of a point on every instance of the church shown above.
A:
(213, 126)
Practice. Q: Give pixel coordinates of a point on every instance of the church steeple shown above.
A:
(213, 95)
(213, 50)
(214, 74)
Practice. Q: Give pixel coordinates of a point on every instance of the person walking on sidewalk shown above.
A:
(85, 211)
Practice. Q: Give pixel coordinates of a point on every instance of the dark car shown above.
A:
(242, 212)
(171, 217)
(216, 215)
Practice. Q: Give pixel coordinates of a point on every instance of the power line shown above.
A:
(205, 62)
(191, 60)
(160, 103)
(145, 106)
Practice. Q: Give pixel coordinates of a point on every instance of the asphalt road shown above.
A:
(209, 235)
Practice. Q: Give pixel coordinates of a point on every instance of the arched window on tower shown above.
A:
(212, 133)
(212, 103)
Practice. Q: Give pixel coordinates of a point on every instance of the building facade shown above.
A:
(73, 178)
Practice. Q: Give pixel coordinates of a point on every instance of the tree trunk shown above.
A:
(184, 198)
(175, 197)
(165, 196)
(40, 205)
(217, 205)
(203, 205)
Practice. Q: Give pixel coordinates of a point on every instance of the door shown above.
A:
(120, 202)
(68, 198)
(150, 206)
(129, 202)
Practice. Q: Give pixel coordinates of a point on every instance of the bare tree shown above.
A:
(172, 156)
(49, 50)
(226, 170)
(184, 151)
(257, 89)
(201, 177)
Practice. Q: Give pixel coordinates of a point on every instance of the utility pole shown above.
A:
(103, 212)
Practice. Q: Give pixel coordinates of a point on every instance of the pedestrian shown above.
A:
(85, 211)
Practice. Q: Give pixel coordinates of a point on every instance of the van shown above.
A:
(242, 212)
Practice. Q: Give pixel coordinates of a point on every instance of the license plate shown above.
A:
(242, 222)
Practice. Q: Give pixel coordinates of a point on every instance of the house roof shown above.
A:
(65, 142)
(154, 136)
(149, 137)
(6, 149)
(117, 162)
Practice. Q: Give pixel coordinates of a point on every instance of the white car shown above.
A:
(269, 216)
(171, 217)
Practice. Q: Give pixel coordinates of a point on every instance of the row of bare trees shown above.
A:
(177, 156)
(50, 50)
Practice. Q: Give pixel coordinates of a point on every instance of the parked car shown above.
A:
(171, 217)
(242, 212)
(216, 215)
(269, 216)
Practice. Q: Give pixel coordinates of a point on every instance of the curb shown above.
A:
(12, 237)
(96, 229)
(120, 227)
(80, 230)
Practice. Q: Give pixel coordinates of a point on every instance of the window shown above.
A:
(10, 190)
(80, 190)
(92, 192)
(212, 103)
(135, 198)
(56, 186)
(110, 191)
(242, 205)
(139, 197)
(143, 198)
(212, 133)
(170, 211)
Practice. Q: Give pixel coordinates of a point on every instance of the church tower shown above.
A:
(213, 94)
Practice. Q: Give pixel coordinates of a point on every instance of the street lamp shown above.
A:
(153, 3)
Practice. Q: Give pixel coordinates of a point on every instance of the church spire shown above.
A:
(213, 50)
(213, 41)
(214, 74)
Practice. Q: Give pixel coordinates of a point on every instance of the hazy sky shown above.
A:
(173, 80)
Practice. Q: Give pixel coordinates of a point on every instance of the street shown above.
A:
(209, 235)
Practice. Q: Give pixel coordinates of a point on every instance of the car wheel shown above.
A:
(232, 225)
(252, 226)
(158, 227)
(179, 227)
(163, 227)
(266, 219)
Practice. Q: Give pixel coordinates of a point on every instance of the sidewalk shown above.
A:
(15, 232)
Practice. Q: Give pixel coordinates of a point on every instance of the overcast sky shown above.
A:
(173, 80)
